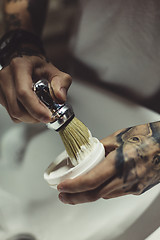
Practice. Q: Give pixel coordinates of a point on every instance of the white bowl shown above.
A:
(62, 169)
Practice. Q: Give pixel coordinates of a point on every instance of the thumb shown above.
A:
(110, 144)
(60, 85)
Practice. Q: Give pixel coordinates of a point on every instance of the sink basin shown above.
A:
(28, 205)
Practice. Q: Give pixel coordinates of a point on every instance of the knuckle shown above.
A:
(91, 183)
(3, 73)
(21, 93)
(67, 77)
(15, 61)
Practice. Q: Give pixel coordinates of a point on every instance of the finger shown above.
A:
(111, 140)
(115, 184)
(116, 193)
(60, 85)
(2, 99)
(3, 83)
(117, 189)
(120, 189)
(25, 94)
(110, 143)
(16, 111)
(89, 196)
(24, 114)
(60, 81)
(91, 180)
(77, 198)
(15, 120)
(3, 102)
(123, 191)
(93, 195)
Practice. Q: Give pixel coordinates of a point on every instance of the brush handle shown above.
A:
(62, 113)
(41, 88)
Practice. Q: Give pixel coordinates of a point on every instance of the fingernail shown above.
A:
(61, 197)
(45, 119)
(60, 189)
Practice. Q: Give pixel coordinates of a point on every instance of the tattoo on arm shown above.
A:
(26, 14)
(138, 156)
(13, 0)
(12, 21)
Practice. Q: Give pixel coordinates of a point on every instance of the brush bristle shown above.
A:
(74, 136)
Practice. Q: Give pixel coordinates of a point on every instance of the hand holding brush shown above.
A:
(75, 135)
(83, 151)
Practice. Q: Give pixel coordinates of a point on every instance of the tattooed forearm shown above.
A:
(15, 15)
(12, 21)
(12, 0)
(138, 156)
(25, 14)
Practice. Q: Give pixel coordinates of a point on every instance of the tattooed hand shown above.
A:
(131, 166)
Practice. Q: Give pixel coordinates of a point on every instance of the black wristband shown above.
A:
(13, 40)
(20, 52)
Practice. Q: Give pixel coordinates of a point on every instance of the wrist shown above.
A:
(17, 41)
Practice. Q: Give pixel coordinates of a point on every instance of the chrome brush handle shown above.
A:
(62, 113)
(41, 88)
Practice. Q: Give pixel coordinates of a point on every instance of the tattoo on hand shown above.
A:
(138, 156)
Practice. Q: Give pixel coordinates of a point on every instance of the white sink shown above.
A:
(28, 205)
